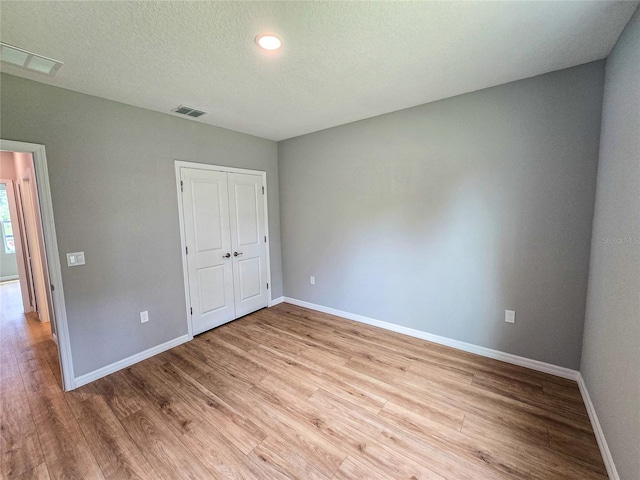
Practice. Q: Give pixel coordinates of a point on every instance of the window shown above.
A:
(5, 222)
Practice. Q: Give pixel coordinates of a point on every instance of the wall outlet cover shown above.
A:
(510, 316)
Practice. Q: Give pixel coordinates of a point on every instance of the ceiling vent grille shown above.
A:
(189, 111)
(29, 60)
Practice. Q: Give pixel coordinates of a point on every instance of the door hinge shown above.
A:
(267, 285)
(265, 239)
(186, 249)
(181, 186)
(52, 288)
(263, 190)
(191, 309)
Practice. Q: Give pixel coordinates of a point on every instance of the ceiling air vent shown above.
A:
(29, 60)
(189, 111)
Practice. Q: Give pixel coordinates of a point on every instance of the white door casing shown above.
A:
(15, 212)
(59, 311)
(222, 212)
(36, 256)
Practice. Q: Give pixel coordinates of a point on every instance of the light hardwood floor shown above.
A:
(289, 393)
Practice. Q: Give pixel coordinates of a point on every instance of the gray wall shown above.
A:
(111, 169)
(611, 350)
(442, 216)
(8, 265)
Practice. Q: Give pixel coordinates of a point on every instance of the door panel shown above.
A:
(250, 278)
(211, 297)
(208, 214)
(247, 220)
(248, 242)
(207, 235)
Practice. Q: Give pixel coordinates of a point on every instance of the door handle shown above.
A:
(237, 254)
(226, 256)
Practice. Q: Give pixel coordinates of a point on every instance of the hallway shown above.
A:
(28, 367)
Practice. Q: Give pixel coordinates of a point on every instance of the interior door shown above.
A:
(248, 241)
(27, 253)
(208, 243)
(35, 254)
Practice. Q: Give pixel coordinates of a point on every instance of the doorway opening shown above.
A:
(23, 253)
(32, 313)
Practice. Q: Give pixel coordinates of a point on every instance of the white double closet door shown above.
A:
(225, 235)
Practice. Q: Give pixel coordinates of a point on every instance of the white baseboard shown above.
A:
(55, 338)
(597, 430)
(276, 301)
(449, 342)
(127, 362)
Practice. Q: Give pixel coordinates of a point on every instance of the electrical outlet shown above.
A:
(312, 280)
(510, 316)
(144, 317)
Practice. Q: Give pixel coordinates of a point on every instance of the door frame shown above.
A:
(26, 281)
(38, 257)
(17, 236)
(183, 242)
(59, 313)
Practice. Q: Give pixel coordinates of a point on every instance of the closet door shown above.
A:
(248, 241)
(208, 242)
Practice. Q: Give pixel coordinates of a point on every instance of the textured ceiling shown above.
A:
(340, 62)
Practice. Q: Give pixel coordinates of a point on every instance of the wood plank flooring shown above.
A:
(289, 393)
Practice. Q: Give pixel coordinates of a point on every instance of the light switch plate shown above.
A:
(75, 258)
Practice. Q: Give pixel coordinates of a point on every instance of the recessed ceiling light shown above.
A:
(29, 60)
(268, 41)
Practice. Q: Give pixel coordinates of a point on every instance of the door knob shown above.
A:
(226, 256)
(237, 254)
